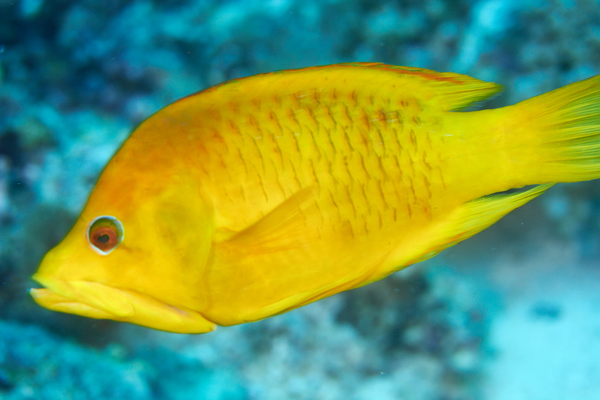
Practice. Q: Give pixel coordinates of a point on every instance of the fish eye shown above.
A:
(104, 234)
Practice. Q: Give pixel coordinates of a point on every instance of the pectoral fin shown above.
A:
(283, 228)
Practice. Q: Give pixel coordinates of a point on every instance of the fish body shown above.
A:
(263, 194)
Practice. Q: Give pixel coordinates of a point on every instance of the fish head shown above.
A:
(136, 254)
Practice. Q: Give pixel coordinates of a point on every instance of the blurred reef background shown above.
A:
(511, 314)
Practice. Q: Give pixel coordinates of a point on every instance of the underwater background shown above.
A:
(511, 314)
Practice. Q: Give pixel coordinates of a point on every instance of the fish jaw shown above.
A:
(96, 300)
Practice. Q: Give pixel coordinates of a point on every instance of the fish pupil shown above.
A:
(105, 233)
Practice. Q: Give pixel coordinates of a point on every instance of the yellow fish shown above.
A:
(263, 194)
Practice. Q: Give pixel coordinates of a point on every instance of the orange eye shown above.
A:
(105, 234)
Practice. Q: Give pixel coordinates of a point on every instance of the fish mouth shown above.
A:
(100, 301)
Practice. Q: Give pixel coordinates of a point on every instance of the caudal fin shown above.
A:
(561, 129)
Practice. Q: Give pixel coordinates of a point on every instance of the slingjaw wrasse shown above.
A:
(263, 194)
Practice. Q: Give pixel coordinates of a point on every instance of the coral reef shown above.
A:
(36, 364)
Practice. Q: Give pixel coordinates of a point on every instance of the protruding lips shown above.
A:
(89, 299)
(96, 300)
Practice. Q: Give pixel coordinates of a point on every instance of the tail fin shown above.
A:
(563, 126)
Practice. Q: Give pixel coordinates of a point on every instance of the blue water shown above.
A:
(510, 314)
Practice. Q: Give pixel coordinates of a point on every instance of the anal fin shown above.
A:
(470, 219)
(481, 213)
(477, 215)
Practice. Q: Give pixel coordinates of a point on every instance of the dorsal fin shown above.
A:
(452, 91)
(446, 90)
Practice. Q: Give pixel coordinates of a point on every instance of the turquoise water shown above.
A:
(509, 314)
